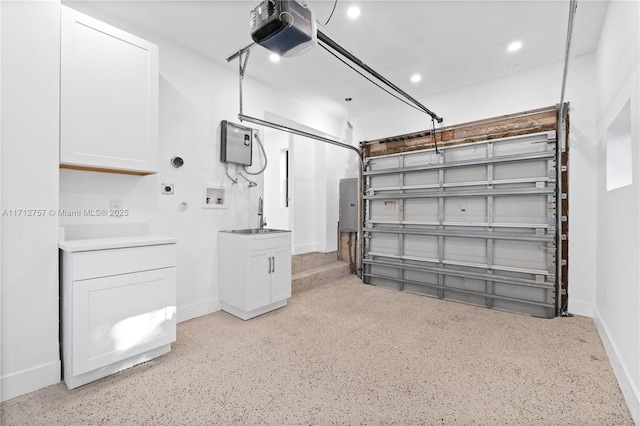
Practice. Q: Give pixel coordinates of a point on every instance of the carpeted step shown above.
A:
(310, 278)
(307, 261)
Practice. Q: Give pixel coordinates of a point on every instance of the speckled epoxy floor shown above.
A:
(347, 353)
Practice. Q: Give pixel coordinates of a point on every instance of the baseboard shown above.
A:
(185, 313)
(309, 248)
(30, 380)
(629, 390)
(73, 382)
(582, 308)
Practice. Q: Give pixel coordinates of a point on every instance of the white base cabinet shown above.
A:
(118, 309)
(254, 272)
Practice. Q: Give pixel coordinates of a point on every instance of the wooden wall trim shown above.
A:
(532, 121)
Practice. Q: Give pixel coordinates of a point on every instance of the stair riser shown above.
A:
(310, 281)
(304, 262)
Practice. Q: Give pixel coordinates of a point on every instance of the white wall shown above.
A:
(0, 207)
(30, 99)
(617, 292)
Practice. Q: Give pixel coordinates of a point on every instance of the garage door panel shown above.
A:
(422, 178)
(520, 209)
(386, 283)
(523, 170)
(465, 152)
(462, 283)
(520, 292)
(385, 209)
(421, 246)
(520, 254)
(421, 158)
(537, 142)
(422, 277)
(471, 210)
(383, 271)
(468, 298)
(385, 162)
(385, 181)
(476, 226)
(425, 209)
(421, 289)
(523, 308)
(465, 250)
(455, 177)
(385, 243)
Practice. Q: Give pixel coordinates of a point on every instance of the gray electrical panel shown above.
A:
(235, 143)
(348, 205)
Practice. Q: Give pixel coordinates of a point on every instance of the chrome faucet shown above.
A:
(263, 222)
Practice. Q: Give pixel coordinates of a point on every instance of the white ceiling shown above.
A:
(452, 44)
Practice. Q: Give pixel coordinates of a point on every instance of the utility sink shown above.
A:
(256, 231)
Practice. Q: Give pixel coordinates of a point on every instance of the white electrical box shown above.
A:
(235, 143)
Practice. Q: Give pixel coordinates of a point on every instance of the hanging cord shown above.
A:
(433, 133)
(333, 10)
(264, 154)
(242, 67)
(226, 170)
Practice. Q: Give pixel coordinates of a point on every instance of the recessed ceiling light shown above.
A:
(416, 78)
(274, 58)
(515, 46)
(353, 12)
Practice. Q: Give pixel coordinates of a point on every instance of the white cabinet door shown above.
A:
(281, 274)
(259, 285)
(109, 97)
(120, 316)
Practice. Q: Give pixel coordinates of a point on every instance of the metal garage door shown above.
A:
(475, 223)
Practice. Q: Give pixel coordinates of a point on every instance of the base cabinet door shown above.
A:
(281, 273)
(120, 316)
(259, 285)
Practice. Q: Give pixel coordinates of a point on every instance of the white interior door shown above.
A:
(277, 197)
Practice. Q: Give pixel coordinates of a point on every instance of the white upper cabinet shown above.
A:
(109, 97)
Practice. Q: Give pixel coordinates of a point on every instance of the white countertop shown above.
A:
(114, 242)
